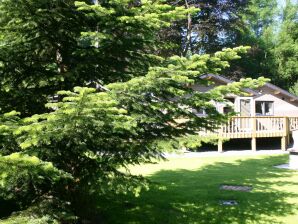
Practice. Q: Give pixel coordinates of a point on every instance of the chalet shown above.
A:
(268, 111)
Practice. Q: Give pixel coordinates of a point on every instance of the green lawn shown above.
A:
(187, 191)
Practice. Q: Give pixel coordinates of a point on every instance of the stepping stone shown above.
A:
(228, 202)
(235, 188)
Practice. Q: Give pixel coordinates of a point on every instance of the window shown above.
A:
(230, 99)
(264, 108)
(229, 106)
(201, 112)
(228, 109)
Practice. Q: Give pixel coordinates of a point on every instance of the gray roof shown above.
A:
(269, 85)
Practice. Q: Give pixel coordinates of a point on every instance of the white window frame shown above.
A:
(263, 107)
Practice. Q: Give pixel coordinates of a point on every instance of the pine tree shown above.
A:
(47, 45)
(90, 136)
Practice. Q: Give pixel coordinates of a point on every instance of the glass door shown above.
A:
(245, 110)
(245, 107)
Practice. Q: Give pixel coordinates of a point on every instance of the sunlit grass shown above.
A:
(187, 191)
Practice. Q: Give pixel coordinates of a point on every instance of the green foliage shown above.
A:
(85, 142)
(294, 89)
(214, 27)
(265, 25)
(47, 45)
(96, 133)
(286, 50)
(24, 178)
(89, 137)
(34, 34)
(260, 15)
(258, 31)
(8, 123)
(48, 210)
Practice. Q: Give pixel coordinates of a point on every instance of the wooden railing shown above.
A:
(293, 123)
(265, 126)
(255, 127)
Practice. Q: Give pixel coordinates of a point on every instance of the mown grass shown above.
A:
(187, 191)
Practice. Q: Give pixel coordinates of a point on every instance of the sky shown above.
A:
(282, 2)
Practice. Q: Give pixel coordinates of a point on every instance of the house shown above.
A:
(268, 111)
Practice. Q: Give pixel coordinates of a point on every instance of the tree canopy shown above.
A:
(81, 147)
(48, 46)
(262, 24)
(286, 51)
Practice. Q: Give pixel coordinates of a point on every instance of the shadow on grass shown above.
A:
(192, 196)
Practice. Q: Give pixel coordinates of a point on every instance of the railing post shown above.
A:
(285, 133)
(254, 134)
(288, 130)
(220, 142)
(283, 143)
(219, 146)
(287, 126)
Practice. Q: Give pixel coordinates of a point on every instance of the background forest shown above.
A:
(45, 43)
(269, 26)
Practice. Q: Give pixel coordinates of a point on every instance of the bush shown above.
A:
(47, 211)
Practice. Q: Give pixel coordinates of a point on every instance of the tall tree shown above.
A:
(38, 39)
(214, 27)
(82, 148)
(286, 49)
(220, 24)
(259, 15)
(48, 45)
(260, 20)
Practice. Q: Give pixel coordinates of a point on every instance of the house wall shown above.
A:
(283, 106)
(266, 90)
(280, 106)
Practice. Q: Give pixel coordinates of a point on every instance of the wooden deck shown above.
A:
(258, 127)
